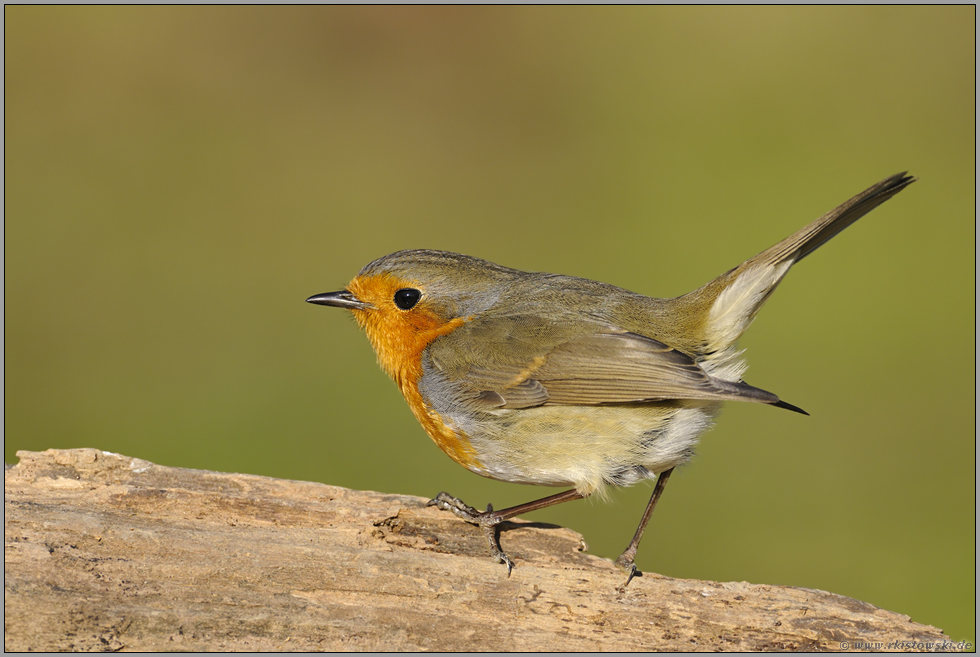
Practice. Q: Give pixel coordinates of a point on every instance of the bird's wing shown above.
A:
(519, 361)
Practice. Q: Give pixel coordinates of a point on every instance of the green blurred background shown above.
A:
(179, 180)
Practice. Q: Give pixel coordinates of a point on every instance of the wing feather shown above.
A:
(524, 360)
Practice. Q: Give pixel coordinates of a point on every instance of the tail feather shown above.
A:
(810, 238)
(729, 303)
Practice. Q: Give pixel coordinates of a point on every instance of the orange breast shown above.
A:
(399, 337)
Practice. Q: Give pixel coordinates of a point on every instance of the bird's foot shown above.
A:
(487, 520)
(625, 561)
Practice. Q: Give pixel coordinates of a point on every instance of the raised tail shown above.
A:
(810, 238)
(726, 306)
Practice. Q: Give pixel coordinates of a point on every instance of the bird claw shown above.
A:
(625, 563)
(487, 520)
(447, 502)
(504, 559)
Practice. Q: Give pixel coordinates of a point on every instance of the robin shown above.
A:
(553, 380)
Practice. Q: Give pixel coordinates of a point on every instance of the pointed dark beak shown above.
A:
(342, 299)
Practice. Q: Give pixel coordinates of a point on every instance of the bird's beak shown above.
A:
(342, 299)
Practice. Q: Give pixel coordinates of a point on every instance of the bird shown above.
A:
(554, 380)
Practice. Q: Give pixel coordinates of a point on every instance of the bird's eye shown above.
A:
(406, 298)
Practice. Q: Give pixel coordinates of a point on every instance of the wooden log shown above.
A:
(109, 552)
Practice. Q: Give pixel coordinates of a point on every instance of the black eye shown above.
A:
(407, 297)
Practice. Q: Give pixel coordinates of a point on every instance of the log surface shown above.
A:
(109, 552)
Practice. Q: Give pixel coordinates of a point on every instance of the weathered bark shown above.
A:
(107, 552)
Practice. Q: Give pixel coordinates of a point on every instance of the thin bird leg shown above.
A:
(625, 560)
(489, 519)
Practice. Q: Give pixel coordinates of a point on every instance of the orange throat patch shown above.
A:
(399, 337)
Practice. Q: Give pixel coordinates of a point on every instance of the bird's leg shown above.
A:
(625, 560)
(489, 519)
